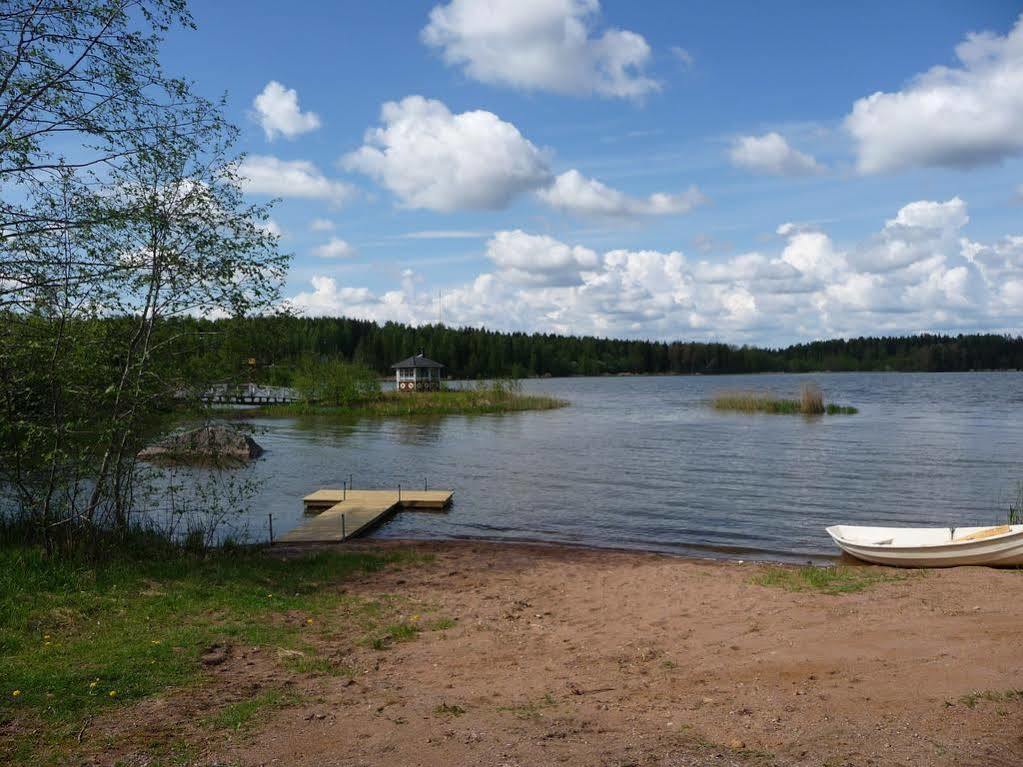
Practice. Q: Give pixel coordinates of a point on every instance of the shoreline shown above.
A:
(372, 542)
(429, 653)
(580, 656)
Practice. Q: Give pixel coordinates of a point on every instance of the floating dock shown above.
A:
(344, 514)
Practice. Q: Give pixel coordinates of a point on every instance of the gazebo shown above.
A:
(417, 374)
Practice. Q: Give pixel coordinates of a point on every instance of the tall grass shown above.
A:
(810, 402)
(492, 397)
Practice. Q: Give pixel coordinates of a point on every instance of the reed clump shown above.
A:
(810, 402)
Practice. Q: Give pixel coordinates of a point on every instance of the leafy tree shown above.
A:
(102, 251)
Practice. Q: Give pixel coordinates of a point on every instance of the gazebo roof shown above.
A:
(418, 361)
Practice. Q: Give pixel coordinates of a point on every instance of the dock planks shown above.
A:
(360, 510)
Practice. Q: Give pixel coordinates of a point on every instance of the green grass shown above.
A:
(78, 638)
(826, 580)
(476, 400)
(811, 402)
(532, 709)
(445, 710)
(994, 696)
(239, 715)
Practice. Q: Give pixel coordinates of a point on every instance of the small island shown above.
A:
(810, 402)
(337, 387)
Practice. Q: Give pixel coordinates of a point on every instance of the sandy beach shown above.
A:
(554, 655)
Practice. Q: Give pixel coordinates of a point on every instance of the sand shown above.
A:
(562, 656)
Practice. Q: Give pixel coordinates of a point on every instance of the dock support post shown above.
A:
(425, 485)
(351, 482)
(271, 518)
(399, 493)
(343, 534)
(344, 490)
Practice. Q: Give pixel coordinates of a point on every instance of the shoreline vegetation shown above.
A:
(478, 400)
(337, 387)
(810, 403)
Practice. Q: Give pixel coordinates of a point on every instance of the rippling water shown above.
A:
(644, 462)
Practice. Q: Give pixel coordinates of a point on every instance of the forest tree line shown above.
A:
(269, 348)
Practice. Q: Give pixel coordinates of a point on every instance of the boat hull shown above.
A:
(932, 547)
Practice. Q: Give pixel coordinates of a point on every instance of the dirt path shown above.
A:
(577, 657)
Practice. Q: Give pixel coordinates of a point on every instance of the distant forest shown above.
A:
(268, 348)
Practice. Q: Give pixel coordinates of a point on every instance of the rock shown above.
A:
(737, 745)
(211, 443)
(214, 655)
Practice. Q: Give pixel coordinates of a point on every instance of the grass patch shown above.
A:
(810, 402)
(396, 632)
(532, 709)
(445, 710)
(240, 715)
(826, 580)
(994, 696)
(79, 637)
(496, 398)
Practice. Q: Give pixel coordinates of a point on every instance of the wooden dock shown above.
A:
(344, 514)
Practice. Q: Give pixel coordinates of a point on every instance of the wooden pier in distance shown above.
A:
(344, 514)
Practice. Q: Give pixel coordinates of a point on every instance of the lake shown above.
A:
(645, 463)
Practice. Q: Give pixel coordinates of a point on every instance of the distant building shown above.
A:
(417, 374)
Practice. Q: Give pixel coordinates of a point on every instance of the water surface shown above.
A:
(644, 462)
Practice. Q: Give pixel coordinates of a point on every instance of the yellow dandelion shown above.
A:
(155, 641)
(308, 620)
(415, 617)
(92, 685)
(46, 636)
(112, 693)
(16, 694)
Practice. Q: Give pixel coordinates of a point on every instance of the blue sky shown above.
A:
(657, 169)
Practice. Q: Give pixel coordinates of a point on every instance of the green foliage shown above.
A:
(497, 397)
(336, 383)
(1015, 515)
(826, 580)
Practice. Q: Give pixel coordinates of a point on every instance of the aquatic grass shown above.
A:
(79, 636)
(826, 580)
(810, 402)
(488, 398)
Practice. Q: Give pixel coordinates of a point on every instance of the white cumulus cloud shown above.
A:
(266, 174)
(808, 287)
(538, 259)
(772, 154)
(321, 225)
(334, 248)
(575, 193)
(959, 116)
(430, 158)
(277, 110)
(550, 45)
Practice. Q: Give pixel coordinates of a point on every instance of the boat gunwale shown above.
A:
(947, 545)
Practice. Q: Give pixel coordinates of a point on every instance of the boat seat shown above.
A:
(988, 533)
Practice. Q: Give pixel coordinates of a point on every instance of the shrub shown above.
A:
(336, 383)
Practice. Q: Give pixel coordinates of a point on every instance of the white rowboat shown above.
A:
(1001, 545)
